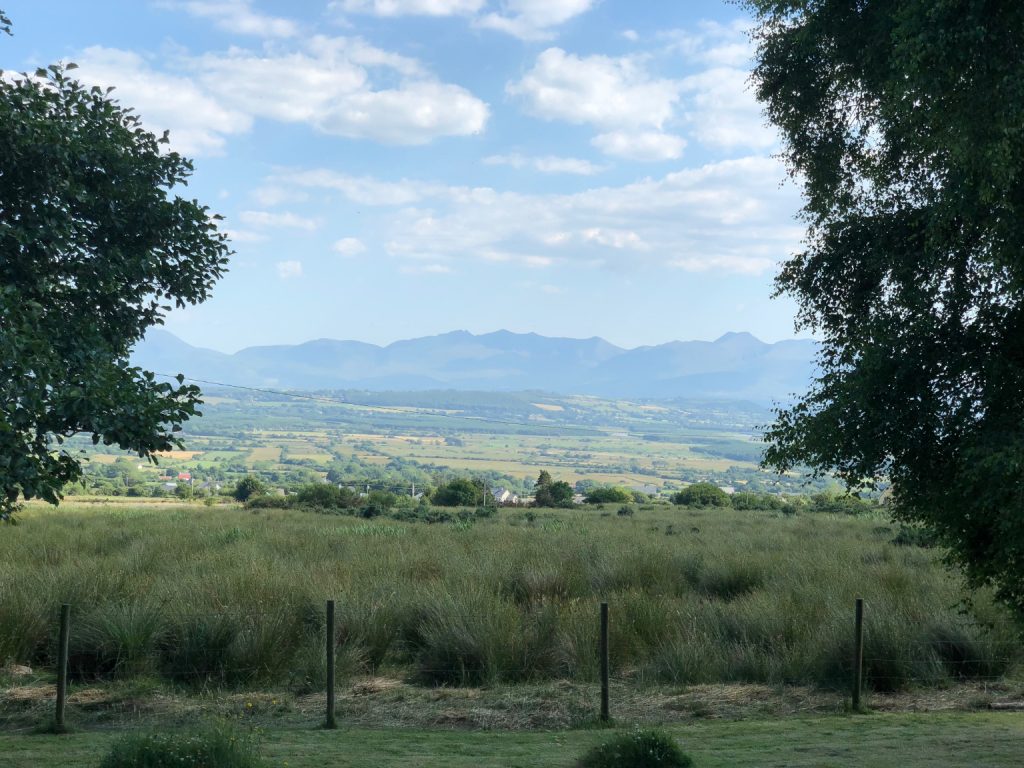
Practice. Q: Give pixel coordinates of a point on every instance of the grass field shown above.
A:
(961, 740)
(231, 597)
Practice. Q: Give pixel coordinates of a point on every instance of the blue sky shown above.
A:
(398, 168)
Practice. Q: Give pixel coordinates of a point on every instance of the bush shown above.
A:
(839, 504)
(609, 494)
(249, 486)
(326, 496)
(269, 502)
(701, 495)
(639, 749)
(211, 748)
(625, 511)
(460, 492)
(757, 501)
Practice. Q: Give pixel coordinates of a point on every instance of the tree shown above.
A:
(551, 493)
(609, 494)
(701, 495)
(460, 492)
(95, 248)
(902, 122)
(249, 487)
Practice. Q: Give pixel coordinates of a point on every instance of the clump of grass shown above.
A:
(647, 748)
(117, 640)
(197, 649)
(218, 747)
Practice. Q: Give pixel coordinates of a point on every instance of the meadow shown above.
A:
(227, 598)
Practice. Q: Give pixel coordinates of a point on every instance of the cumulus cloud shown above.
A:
(724, 112)
(339, 86)
(236, 16)
(534, 19)
(642, 146)
(289, 269)
(525, 19)
(727, 216)
(547, 164)
(330, 86)
(198, 121)
(349, 246)
(616, 95)
(268, 220)
(409, 7)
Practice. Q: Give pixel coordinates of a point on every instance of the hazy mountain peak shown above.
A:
(736, 365)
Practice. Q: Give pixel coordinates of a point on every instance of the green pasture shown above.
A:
(953, 740)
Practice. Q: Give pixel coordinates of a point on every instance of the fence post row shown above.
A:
(604, 663)
(858, 653)
(62, 666)
(331, 652)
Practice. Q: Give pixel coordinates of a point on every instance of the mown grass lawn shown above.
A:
(974, 740)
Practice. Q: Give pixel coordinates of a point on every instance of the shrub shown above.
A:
(625, 511)
(210, 748)
(839, 504)
(757, 501)
(326, 496)
(461, 492)
(609, 494)
(249, 486)
(639, 749)
(269, 502)
(701, 495)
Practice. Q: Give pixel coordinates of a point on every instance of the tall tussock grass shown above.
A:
(235, 598)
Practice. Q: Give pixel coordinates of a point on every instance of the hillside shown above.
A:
(735, 366)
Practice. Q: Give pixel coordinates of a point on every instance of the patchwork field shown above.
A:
(391, 440)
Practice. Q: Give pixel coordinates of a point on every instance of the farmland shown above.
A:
(393, 440)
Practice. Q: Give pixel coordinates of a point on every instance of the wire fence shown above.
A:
(235, 652)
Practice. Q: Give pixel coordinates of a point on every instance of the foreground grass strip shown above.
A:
(967, 740)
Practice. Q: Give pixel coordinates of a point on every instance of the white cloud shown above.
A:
(631, 34)
(289, 269)
(643, 146)
(614, 238)
(236, 16)
(360, 189)
(244, 236)
(534, 19)
(339, 86)
(198, 122)
(714, 44)
(723, 110)
(603, 91)
(728, 216)
(427, 269)
(266, 219)
(330, 86)
(349, 247)
(409, 7)
(547, 164)
(616, 95)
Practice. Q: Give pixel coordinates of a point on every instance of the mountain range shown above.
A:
(736, 366)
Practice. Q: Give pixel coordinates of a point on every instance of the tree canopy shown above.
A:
(95, 248)
(701, 495)
(903, 121)
(551, 493)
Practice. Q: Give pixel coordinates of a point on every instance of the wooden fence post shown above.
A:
(858, 654)
(331, 651)
(62, 666)
(604, 663)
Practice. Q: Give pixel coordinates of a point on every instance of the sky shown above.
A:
(389, 169)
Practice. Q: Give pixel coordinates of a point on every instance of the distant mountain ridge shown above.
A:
(735, 366)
